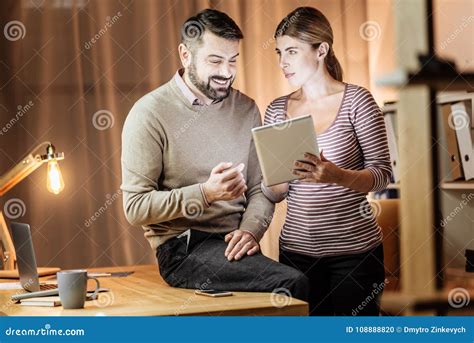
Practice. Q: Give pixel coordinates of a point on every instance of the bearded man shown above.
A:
(190, 174)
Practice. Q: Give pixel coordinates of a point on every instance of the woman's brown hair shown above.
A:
(311, 26)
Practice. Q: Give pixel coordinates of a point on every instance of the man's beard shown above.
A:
(215, 94)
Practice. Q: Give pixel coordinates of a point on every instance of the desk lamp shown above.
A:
(54, 184)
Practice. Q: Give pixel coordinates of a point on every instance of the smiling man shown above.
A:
(190, 174)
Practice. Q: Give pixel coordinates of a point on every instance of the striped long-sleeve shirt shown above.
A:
(328, 219)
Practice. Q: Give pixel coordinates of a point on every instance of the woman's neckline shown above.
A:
(287, 98)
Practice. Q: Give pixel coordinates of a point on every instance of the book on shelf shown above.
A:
(461, 119)
(457, 123)
(455, 170)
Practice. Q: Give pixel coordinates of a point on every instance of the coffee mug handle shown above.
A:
(96, 291)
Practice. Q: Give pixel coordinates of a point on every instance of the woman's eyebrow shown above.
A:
(289, 48)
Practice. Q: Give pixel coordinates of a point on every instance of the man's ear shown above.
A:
(185, 55)
(323, 50)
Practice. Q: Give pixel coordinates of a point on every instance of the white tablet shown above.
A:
(279, 145)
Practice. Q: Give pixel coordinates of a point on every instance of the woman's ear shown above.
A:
(323, 51)
(185, 55)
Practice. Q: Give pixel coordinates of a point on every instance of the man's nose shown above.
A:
(225, 71)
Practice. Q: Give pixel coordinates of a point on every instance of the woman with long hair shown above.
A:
(330, 233)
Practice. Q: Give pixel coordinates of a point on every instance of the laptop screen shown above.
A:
(25, 256)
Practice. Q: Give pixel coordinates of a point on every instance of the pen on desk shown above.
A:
(99, 274)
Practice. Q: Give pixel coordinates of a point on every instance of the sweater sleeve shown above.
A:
(143, 141)
(259, 210)
(370, 130)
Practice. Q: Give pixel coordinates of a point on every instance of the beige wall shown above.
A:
(453, 29)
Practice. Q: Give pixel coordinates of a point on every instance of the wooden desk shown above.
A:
(144, 293)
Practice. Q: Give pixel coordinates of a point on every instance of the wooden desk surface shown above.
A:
(144, 293)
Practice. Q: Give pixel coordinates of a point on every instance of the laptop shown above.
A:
(27, 269)
(279, 145)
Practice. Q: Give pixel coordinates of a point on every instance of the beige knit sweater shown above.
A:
(170, 146)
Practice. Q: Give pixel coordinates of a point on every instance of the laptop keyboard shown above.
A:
(45, 287)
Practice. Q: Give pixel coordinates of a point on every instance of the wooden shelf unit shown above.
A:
(421, 241)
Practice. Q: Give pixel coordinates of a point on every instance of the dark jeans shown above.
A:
(342, 285)
(202, 264)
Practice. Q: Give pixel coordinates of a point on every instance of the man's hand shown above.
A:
(240, 243)
(225, 182)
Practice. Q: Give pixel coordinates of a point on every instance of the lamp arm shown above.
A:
(25, 167)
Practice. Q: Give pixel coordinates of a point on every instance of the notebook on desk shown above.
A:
(42, 301)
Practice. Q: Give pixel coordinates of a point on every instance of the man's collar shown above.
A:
(188, 94)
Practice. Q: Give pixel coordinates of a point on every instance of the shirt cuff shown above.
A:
(271, 195)
(254, 228)
(252, 234)
(380, 179)
(206, 202)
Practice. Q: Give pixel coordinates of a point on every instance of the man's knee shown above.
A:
(298, 284)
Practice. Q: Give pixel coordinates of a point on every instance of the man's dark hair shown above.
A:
(213, 21)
